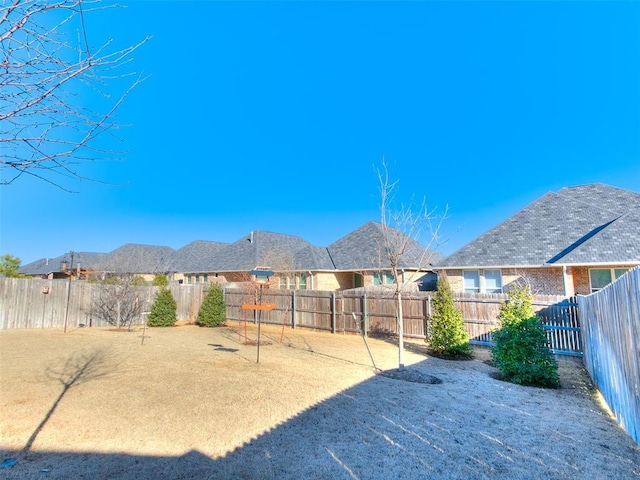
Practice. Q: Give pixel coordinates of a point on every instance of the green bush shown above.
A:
(521, 351)
(138, 281)
(213, 310)
(160, 281)
(522, 355)
(163, 310)
(449, 337)
(517, 308)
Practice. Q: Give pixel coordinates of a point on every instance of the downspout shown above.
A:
(567, 282)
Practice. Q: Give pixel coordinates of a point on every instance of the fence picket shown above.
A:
(611, 335)
(25, 306)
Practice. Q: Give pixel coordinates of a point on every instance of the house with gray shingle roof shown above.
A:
(352, 261)
(361, 257)
(130, 259)
(74, 264)
(232, 262)
(355, 260)
(576, 240)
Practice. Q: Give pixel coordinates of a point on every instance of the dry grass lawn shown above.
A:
(194, 403)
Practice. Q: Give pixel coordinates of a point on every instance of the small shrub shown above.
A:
(521, 351)
(449, 337)
(522, 356)
(517, 308)
(213, 310)
(138, 281)
(163, 310)
(160, 281)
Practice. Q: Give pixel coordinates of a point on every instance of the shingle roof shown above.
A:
(197, 256)
(363, 249)
(358, 250)
(45, 266)
(136, 258)
(260, 248)
(313, 258)
(585, 224)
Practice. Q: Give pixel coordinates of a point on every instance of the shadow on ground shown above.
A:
(385, 428)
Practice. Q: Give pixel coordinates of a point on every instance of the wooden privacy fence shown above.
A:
(25, 305)
(36, 303)
(352, 311)
(611, 330)
(558, 314)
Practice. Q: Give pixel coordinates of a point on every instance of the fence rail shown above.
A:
(611, 329)
(37, 303)
(24, 305)
(353, 311)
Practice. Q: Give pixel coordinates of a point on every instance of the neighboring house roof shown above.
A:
(136, 258)
(197, 256)
(359, 250)
(364, 249)
(586, 224)
(260, 248)
(44, 266)
(313, 258)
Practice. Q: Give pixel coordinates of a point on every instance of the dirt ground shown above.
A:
(189, 402)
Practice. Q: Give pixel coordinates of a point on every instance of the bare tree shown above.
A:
(119, 301)
(403, 227)
(48, 68)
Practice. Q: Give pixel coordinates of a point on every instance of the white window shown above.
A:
(382, 278)
(302, 282)
(601, 277)
(282, 282)
(471, 281)
(492, 281)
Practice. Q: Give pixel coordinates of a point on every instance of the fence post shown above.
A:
(427, 320)
(293, 309)
(365, 315)
(333, 312)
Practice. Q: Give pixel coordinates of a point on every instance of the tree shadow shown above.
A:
(78, 369)
(378, 429)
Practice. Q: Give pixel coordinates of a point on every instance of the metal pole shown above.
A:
(259, 319)
(66, 312)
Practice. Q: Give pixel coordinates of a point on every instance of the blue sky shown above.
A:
(272, 116)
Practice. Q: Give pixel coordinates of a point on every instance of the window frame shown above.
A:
(464, 281)
(382, 277)
(614, 274)
(498, 289)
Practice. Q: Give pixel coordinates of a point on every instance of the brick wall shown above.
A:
(544, 281)
(581, 277)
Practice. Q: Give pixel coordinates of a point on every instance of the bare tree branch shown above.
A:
(46, 128)
(403, 227)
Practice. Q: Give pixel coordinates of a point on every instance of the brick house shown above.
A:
(354, 260)
(576, 240)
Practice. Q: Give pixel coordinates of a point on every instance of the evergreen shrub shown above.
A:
(163, 310)
(521, 351)
(449, 337)
(213, 311)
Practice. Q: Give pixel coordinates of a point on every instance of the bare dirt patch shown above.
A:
(193, 403)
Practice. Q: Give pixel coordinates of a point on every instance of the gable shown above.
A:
(364, 249)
